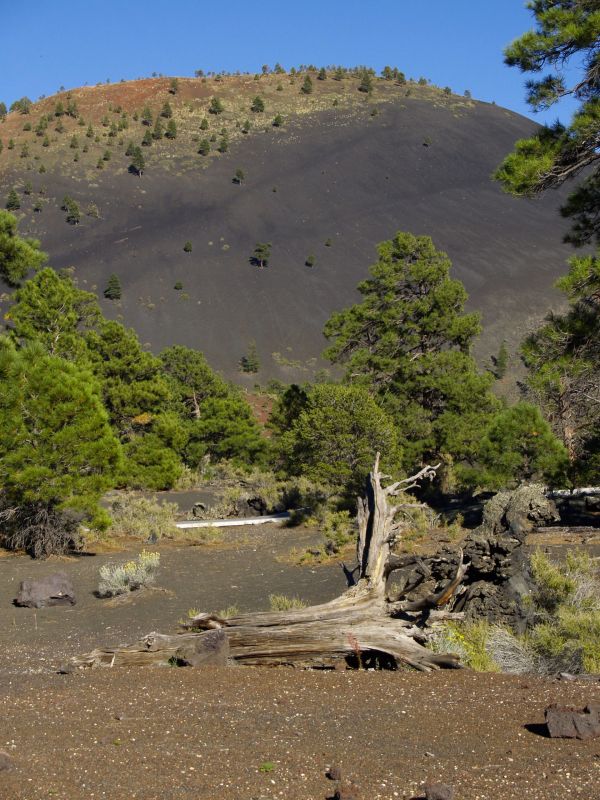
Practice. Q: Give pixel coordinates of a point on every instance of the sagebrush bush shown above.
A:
(123, 578)
(143, 518)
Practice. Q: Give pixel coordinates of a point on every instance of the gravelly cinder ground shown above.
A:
(169, 733)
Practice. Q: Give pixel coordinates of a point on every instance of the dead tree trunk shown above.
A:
(362, 623)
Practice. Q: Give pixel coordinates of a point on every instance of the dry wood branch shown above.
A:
(360, 621)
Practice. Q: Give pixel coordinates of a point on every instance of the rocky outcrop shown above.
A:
(498, 575)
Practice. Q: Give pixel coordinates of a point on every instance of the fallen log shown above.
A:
(363, 623)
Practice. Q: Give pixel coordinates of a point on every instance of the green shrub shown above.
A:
(468, 641)
(338, 527)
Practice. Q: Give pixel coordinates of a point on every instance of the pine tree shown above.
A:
(216, 106)
(501, 361)
(204, 124)
(239, 177)
(307, 86)
(335, 436)
(73, 213)
(147, 140)
(12, 201)
(138, 164)
(204, 147)
(250, 362)
(17, 255)
(258, 105)
(171, 132)
(261, 254)
(113, 288)
(366, 83)
(278, 121)
(167, 111)
(146, 116)
(322, 76)
(58, 454)
(562, 46)
(414, 352)
(223, 144)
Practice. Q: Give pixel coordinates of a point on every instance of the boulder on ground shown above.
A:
(438, 791)
(567, 722)
(52, 590)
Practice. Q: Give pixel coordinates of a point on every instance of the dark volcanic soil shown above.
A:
(338, 175)
(243, 733)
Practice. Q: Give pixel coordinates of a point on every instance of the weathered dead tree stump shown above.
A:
(362, 623)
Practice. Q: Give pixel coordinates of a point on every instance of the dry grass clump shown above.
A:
(280, 602)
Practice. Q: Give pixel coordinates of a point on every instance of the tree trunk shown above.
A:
(363, 624)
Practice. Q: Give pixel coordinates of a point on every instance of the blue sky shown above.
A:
(456, 43)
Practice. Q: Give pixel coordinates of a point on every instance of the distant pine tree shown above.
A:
(307, 86)
(113, 288)
(171, 132)
(12, 201)
(138, 164)
(250, 362)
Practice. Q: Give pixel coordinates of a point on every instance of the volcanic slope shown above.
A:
(345, 171)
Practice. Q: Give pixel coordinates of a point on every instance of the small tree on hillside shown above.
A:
(216, 106)
(158, 131)
(278, 121)
(73, 213)
(147, 140)
(12, 201)
(204, 147)
(250, 362)
(167, 111)
(204, 124)
(138, 164)
(146, 116)
(239, 176)
(307, 86)
(322, 76)
(113, 288)
(174, 86)
(223, 144)
(258, 105)
(187, 247)
(366, 83)
(501, 361)
(2, 110)
(261, 255)
(171, 132)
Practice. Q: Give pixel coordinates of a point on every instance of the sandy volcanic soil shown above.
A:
(169, 733)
